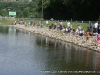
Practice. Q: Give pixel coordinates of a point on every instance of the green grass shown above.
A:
(6, 22)
(74, 24)
(83, 25)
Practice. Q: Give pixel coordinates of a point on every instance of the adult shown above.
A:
(60, 26)
(96, 29)
(79, 27)
(91, 28)
(61, 23)
(77, 31)
(99, 28)
(55, 25)
(81, 32)
(96, 26)
(68, 25)
(47, 23)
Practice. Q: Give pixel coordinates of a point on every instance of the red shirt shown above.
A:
(98, 38)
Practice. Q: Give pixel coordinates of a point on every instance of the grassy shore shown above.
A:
(74, 24)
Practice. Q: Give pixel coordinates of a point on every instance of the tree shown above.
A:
(4, 12)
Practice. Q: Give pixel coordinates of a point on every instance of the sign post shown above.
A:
(12, 13)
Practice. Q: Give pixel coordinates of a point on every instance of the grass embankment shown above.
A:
(6, 21)
(74, 24)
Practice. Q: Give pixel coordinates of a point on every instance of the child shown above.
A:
(87, 35)
(98, 40)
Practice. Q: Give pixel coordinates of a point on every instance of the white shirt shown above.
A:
(95, 25)
(61, 23)
(46, 22)
(79, 27)
(66, 29)
(68, 24)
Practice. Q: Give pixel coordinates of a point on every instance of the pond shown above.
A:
(25, 53)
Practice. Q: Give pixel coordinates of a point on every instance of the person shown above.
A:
(60, 26)
(61, 23)
(55, 25)
(29, 24)
(66, 30)
(91, 27)
(99, 27)
(79, 27)
(96, 29)
(96, 26)
(81, 32)
(73, 31)
(77, 31)
(40, 23)
(15, 23)
(98, 40)
(68, 24)
(87, 35)
(47, 23)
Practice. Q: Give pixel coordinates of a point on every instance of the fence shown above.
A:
(38, 19)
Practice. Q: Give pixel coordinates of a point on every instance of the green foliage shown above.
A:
(23, 9)
(67, 9)
(4, 12)
(57, 9)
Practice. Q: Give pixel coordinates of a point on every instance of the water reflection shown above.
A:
(25, 53)
(65, 56)
(3, 30)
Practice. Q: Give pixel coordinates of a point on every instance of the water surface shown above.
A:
(25, 53)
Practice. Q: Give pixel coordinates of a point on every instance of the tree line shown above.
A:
(22, 9)
(56, 9)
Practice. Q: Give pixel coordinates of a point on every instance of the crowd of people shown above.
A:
(92, 30)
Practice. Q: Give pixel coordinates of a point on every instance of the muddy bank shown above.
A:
(58, 35)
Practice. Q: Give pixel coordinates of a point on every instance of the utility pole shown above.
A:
(42, 9)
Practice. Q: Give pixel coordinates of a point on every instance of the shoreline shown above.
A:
(58, 35)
